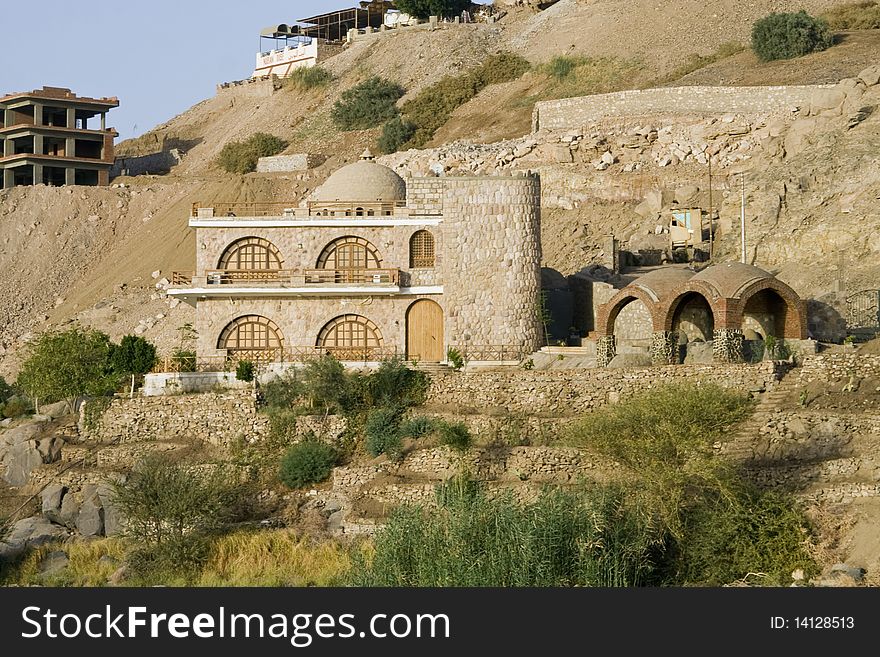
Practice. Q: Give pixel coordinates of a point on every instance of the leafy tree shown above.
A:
(134, 357)
(367, 105)
(425, 8)
(65, 365)
(395, 134)
(785, 36)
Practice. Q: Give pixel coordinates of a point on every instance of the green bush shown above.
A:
(561, 67)
(308, 462)
(68, 364)
(424, 8)
(283, 392)
(382, 429)
(184, 360)
(367, 105)
(305, 79)
(245, 370)
(455, 358)
(418, 427)
(395, 384)
(433, 106)
(241, 156)
(785, 36)
(455, 435)
(776, 349)
(589, 537)
(163, 500)
(326, 383)
(15, 407)
(854, 16)
(395, 134)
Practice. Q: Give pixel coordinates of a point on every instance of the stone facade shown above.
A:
(483, 277)
(577, 112)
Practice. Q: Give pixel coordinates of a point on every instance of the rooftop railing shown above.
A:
(290, 277)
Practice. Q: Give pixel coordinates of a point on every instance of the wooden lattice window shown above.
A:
(349, 253)
(350, 332)
(251, 333)
(251, 253)
(421, 250)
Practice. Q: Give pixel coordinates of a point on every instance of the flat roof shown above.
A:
(60, 93)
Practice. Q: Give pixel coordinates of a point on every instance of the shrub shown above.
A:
(244, 371)
(305, 79)
(326, 383)
(395, 134)
(776, 349)
(367, 105)
(394, 384)
(455, 358)
(134, 357)
(67, 365)
(854, 16)
(16, 407)
(455, 434)
(162, 500)
(94, 410)
(283, 392)
(417, 427)
(784, 36)
(424, 8)
(382, 429)
(308, 462)
(560, 67)
(433, 106)
(242, 156)
(589, 537)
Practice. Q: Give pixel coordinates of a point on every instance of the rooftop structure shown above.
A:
(47, 137)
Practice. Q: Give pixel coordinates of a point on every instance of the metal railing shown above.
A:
(863, 309)
(229, 362)
(291, 277)
(291, 208)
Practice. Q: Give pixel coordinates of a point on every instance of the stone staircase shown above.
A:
(740, 447)
(431, 368)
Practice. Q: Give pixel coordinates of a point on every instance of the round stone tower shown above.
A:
(492, 268)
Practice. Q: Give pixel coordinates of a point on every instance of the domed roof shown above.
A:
(661, 282)
(730, 278)
(363, 181)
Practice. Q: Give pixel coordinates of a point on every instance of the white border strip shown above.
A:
(280, 222)
(311, 291)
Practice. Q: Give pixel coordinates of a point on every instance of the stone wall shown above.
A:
(577, 112)
(154, 163)
(571, 392)
(213, 418)
(281, 163)
(830, 368)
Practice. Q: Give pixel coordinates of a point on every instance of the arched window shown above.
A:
(349, 253)
(350, 337)
(359, 212)
(421, 250)
(253, 337)
(250, 253)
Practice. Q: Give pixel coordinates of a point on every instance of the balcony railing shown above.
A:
(291, 209)
(291, 277)
(491, 352)
(229, 362)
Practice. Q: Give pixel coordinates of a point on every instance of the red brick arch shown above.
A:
(609, 311)
(795, 320)
(667, 307)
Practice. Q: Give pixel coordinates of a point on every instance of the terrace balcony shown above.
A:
(311, 214)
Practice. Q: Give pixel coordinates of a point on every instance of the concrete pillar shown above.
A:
(8, 147)
(69, 176)
(727, 345)
(8, 178)
(4, 114)
(38, 114)
(70, 147)
(664, 348)
(103, 120)
(71, 117)
(38, 174)
(38, 144)
(606, 350)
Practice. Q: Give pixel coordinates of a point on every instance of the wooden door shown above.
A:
(424, 332)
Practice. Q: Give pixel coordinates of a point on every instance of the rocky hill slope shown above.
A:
(89, 254)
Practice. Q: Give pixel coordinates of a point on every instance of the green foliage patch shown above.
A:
(306, 79)
(310, 461)
(367, 105)
(789, 35)
(854, 16)
(241, 156)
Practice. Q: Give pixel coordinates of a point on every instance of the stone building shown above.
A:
(46, 138)
(722, 306)
(370, 266)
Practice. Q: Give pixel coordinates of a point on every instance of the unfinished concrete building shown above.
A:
(53, 137)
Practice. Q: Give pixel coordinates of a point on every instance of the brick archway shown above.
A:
(791, 319)
(609, 311)
(668, 308)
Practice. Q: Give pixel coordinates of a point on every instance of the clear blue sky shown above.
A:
(159, 57)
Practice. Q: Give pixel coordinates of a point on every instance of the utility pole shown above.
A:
(742, 215)
(711, 236)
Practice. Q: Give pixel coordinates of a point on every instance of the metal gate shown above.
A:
(863, 310)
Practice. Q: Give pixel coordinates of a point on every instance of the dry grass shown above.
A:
(85, 567)
(854, 16)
